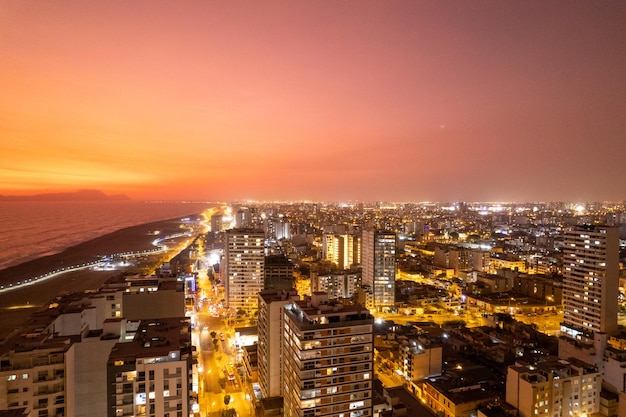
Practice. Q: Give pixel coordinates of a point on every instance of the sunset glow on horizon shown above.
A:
(352, 100)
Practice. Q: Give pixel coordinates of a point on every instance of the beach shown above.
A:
(16, 305)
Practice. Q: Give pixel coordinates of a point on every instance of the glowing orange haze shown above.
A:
(402, 100)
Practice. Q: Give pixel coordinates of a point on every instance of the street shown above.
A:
(216, 357)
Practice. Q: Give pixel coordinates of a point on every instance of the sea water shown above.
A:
(32, 229)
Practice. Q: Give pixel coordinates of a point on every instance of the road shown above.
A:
(214, 355)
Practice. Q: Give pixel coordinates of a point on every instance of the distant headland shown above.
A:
(81, 195)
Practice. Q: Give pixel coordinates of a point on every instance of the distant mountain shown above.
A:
(82, 195)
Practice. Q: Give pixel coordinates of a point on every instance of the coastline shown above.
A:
(130, 239)
(19, 303)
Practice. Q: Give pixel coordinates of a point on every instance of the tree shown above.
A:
(229, 412)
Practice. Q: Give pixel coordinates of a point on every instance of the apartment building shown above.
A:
(554, 388)
(270, 337)
(379, 266)
(151, 376)
(328, 359)
(244, 260)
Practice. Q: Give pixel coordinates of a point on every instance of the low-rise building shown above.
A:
(552, 388)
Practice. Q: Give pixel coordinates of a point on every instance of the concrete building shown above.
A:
(554, 388)
(166, 300)
(450, 398)
(34, 378)
(379, 266)
(328, 359)
(590, 290)
(270, 329)
(243, 267)
(340, 285)
(591, 278)
(86, 377)
(55, 364)
(278, 273)
(152, 375)
(216, 223)
(614, 359)
(344, 250)
(282, 230)
(421, 361)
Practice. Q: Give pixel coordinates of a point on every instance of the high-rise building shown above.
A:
(379, 266)
(328, 353)
(590, 291)
(216, 223)
(343, 250)
(244, 259)
(270, 350)
(278, 273)
(591, 281)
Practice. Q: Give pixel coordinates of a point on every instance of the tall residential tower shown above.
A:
(244, 260)
(590, 290)
(270, 349)
(379, 266)
(328, 352)
(591, 281)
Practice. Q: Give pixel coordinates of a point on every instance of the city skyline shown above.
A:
(368, 101)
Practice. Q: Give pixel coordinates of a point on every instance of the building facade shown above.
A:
(328, 359)
(556, 388)
(244, 260)
(270, 333)
(343, 250)
(591, 281)
(278, 270)
(152, 375)
(419, 361)
(590, 291)
(341, 285)
(379, 266)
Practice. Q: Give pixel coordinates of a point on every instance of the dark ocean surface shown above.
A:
(32, 229)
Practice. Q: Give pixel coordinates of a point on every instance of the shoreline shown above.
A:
(17, 304)
(129, 239)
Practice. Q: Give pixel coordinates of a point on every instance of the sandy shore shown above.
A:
(16, 305)
(130, 239)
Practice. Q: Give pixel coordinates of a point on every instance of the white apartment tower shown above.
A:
(244, 260)
(270, 330)
(379, 266)
(328, 352)
(590, 290)
(591, 281)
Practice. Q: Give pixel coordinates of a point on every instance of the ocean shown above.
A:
(32, 229)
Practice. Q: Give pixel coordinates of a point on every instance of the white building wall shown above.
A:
(86, 379)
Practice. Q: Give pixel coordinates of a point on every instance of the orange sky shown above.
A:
(321, 100)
